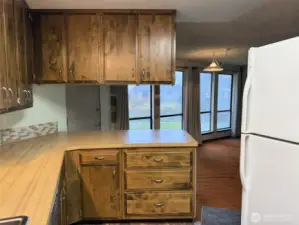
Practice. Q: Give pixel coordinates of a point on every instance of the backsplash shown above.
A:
(23, 133)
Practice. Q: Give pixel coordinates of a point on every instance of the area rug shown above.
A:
(218, 216)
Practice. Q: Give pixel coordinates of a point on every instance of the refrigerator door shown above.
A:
(271, 92)
(270, 177)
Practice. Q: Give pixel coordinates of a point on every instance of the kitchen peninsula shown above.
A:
(119, 175)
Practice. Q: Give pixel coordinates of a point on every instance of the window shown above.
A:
(224, 101)
(171, 104)
(140, 107)
(215, 102)
(205, 102)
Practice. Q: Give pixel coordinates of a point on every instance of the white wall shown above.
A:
(49, 106)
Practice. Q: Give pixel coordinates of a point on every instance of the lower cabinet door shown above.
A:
(100, 192)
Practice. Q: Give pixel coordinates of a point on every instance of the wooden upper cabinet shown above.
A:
(21, 49)
(105, 46)
(3, 94)
(29, 57)
(52, 49)
(83, 47)
(156, 48)
(10, 50)
(119, 31)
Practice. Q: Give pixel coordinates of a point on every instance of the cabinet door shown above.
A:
(83, 48)
(52, 49)
(29, 57)
(21, 68)
(3, 87)
(10, 50)
(100, 192)
(120, 47)
(156, 48)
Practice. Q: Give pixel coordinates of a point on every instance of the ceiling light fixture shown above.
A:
(214, 66)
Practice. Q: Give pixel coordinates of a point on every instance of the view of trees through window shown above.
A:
(171, 104)
(140, 105)
(215, 103)
(210, 88)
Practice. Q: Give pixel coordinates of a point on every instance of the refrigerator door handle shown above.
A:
(243, 160)
(247, 88)
(246, 91)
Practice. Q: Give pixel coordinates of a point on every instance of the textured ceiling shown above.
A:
(207, 26)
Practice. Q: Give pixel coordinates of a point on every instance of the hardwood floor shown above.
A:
(218, 180)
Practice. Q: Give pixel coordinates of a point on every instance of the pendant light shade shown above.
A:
(213, 67)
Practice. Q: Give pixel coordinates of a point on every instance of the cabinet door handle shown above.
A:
(11, 92)
(158, 181)
(26, 95)
(30, 96)
(99, 158)
(60, 73)
(6, 94)
(113, 173)
(142, 75)
(157, 159)
(19, 101)
(159, 204)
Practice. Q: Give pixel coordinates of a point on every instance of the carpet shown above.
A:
(218, 216)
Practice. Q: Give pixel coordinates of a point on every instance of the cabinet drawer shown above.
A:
(158, 203)
(99, 157)
(135, 159)
(180, 179)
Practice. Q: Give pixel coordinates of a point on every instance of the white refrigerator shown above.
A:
(269, 160)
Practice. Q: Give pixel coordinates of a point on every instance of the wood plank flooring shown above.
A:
(218, 180)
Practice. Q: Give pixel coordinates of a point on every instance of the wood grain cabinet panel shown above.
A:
(99, 157)
(21, 48)
(14, 39)
(10, 50)
(50, 31)
(159, 204)
(83, 47)
(29, 59)
(100, 192)
(172, 159)
(156, 48)
(3, 72)
(119, 31)
(158, 179)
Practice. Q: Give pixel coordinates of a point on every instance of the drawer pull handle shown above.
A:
(159, 204)
(99, 158)
(157, 160)
(158, 181)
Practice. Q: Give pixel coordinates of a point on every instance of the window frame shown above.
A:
(175, 114)
(150, 117)
(231, 103)
(214, 103)
(211, 105)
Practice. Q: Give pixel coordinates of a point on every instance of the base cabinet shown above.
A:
(130, 184)
(100, 192)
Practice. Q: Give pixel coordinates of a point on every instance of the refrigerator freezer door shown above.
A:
(271, 93)
(271, 173)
